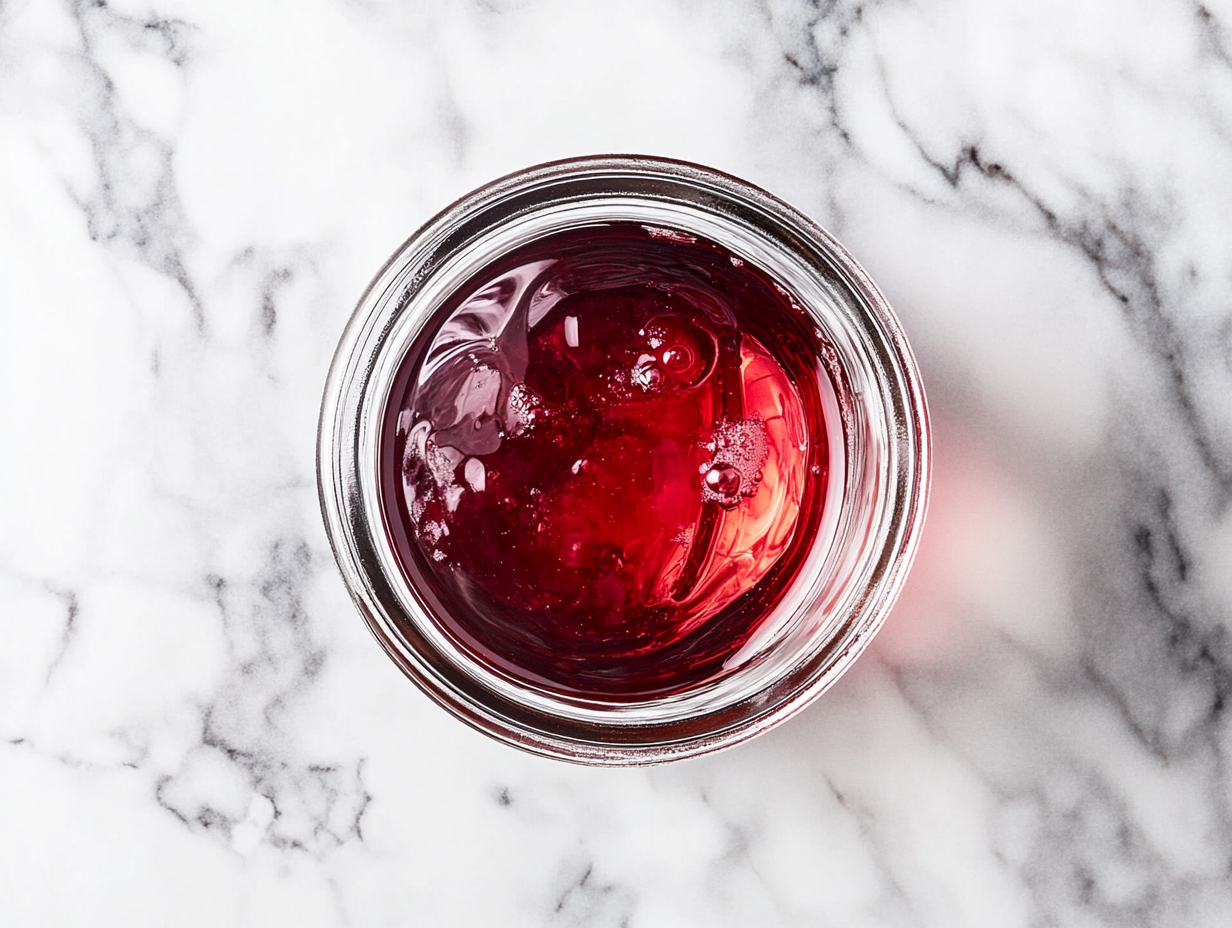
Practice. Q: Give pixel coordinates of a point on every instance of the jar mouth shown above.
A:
(871, 518)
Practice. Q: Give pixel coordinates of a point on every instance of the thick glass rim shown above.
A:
(879, 406)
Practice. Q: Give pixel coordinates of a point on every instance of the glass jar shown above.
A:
(858, 553)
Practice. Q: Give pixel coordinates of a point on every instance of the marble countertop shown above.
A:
(197, 729)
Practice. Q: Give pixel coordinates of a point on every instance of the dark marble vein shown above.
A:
(1214, 34)
(131, 208)
(246, 754)
(588, 900)
(72, 609)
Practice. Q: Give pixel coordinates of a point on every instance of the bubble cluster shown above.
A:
(738, 454)
(675, 353)
(648, 376)
(523, 409)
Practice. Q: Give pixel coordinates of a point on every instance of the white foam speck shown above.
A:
(475, 474)
(671, 235)
(452, 497)
(442, 460)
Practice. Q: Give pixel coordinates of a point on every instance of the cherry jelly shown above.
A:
(604, 460)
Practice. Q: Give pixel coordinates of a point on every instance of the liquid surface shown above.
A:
(604, 462)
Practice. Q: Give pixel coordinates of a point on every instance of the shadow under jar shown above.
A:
(623, 460)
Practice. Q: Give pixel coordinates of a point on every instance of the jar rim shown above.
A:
(840, 295)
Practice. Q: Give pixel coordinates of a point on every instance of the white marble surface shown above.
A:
(195, 727)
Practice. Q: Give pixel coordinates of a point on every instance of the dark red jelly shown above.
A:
(605, 460)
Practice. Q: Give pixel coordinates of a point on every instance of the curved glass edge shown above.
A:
(352, 534)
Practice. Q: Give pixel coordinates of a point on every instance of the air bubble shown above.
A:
(724, 480)
(678, 358)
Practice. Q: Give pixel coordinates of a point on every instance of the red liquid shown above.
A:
(605, 460)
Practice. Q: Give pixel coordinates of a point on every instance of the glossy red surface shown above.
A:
(605, 461)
